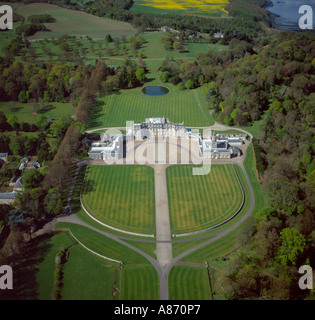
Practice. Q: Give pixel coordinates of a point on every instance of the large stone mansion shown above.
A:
(215, 146)
(157, 127)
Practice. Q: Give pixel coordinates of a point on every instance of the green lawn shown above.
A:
(189, 283)
(47, 267)
(154, 52)
(24, 111)
(138, 278)
(121, 196)
(200, 202)
(133, 105)
(75, 23)
(89, 277)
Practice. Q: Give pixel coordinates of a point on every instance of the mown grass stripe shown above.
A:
(210, 199)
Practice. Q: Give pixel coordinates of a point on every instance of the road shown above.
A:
(165, 261)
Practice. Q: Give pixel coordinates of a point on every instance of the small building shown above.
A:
(7, 198)
(235, 141)
(23, 164)
(236, 151)
(109, 148)
(4, 156)
(218, 35)
(18, 185)
(35, 165)
(13, 181)
(221, 146)
(168, 29)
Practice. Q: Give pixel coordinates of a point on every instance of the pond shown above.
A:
(155, 91)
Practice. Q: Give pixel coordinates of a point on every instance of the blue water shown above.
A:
(288, 13)
(155, 91)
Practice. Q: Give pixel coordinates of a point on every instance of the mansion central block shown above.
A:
(215, 146)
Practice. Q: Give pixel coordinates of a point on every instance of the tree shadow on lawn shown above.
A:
(25, 269)
(95, 115)
(148, 80)
(89, 186)
(12, 108)
(46, 108)
(95, 118)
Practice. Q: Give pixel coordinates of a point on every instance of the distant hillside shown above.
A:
(74, 23)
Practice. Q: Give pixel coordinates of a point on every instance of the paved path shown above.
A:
(162, 217)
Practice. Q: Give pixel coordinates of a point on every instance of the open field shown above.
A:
(75, 23)
(133, 105)
(214, 8)
(138, 278)
(189, 283)
(121, 196)
(154, 52)
(200, 202)
(24, 111)
(89, 277)
(94, 277)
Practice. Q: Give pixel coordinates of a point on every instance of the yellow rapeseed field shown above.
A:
(202, 5)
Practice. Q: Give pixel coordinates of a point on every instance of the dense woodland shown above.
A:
(277, 84)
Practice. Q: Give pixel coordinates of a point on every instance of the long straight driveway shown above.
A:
(162, 217)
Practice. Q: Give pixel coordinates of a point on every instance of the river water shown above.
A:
(287, 12)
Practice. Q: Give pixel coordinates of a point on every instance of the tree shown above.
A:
(58, 128)
(108, 38)
(283, 195)
(23, 96)
(189, 84)
(47, 97)
(178, 46)
(31, 178)
(17, 145)
(42, 122)
(247, 278)
(293, 244)
(164, 76)
(31, 201)
(53, 202)
(3, 122)
(13, 121)
(228, 120)
(140, 74)
(180, 86)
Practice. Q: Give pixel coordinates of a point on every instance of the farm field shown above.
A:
(25, 113)
(121, 196)
(189, 283)
(75, 23)
(214, 8)
(200, 202)
(133, 105)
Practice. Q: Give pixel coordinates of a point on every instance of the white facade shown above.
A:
(157, 127)
(109, 150)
